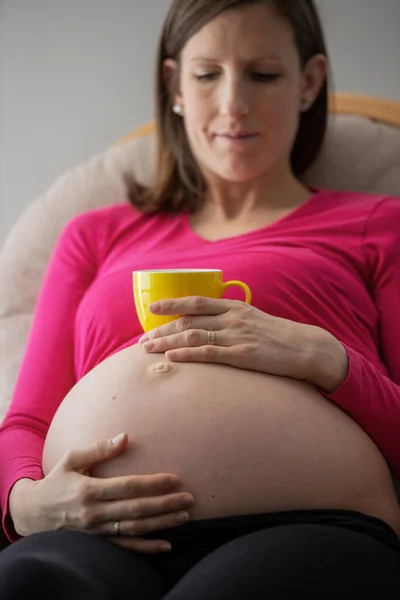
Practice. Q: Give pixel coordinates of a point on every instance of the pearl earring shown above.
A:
(177, 108)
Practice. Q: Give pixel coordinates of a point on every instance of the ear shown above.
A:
(171, 80)
(314, 76)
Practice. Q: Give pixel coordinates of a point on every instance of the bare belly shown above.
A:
(241, 442)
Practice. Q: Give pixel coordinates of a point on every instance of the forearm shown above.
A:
(20, 458)
(361, 389)
(20, 505)
(328, 362)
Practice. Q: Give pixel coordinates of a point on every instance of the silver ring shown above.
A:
(211, 338)
(117, 527)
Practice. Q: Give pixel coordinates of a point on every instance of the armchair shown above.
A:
(361, 153)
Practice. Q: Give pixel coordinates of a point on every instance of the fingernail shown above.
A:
(118, 439)
(166, 548)
(148, 345)
(155, 307)
(143, 339)
(187, 500)
(182, 517)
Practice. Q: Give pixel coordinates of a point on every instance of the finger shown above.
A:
(141, 508)
(137, 527)
(191, 305)
(131, 486)
(184, 324)
(189, 339)
(141, 545)
(84, 458)
(206, 354)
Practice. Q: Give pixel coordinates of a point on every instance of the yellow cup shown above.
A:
(150, 286)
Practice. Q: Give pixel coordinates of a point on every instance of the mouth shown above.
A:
(237, 135)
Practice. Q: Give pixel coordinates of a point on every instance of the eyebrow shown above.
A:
(255, 59)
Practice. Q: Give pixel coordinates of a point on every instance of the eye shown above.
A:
(257, 76)
(206, 76)
(265, 77)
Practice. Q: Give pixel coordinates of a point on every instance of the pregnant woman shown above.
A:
(274, 426)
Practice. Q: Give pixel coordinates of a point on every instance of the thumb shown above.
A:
(87, 457)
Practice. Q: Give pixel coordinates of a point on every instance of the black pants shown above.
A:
(317, 554)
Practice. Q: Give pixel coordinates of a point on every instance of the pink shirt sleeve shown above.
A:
(371, 397)
(47, 371)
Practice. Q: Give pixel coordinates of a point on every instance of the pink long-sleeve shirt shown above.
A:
(333, 262)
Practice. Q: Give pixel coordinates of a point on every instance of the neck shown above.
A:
(227, 201)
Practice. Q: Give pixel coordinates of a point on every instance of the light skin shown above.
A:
(68, 498)
(257, 87)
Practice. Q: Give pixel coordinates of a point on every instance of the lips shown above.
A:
(237, 135)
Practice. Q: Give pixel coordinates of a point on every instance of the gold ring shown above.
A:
(117, 527)
(211, 338)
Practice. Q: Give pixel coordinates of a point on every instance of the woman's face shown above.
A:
(241, 89)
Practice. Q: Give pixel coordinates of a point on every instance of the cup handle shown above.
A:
(242, 286)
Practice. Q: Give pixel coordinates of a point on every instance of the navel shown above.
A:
(163, 367)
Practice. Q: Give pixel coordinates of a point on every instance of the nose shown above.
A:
(234, 100)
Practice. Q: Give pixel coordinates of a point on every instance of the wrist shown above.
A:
(329, 363)
(20, 505)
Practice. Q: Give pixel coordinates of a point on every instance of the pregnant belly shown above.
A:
(241, 442)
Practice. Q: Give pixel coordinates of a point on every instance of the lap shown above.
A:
(67, 564)
(314, 560)
(324, 554)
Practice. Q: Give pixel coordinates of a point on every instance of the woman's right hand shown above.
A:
(69, 498)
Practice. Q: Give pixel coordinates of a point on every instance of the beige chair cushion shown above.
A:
(358, 154)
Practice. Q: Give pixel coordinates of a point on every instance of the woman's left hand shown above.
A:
(245, 337)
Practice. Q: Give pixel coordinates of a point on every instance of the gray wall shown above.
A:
(364, 42)
(75, 75)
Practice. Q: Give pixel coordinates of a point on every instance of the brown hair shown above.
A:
(179, 184)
